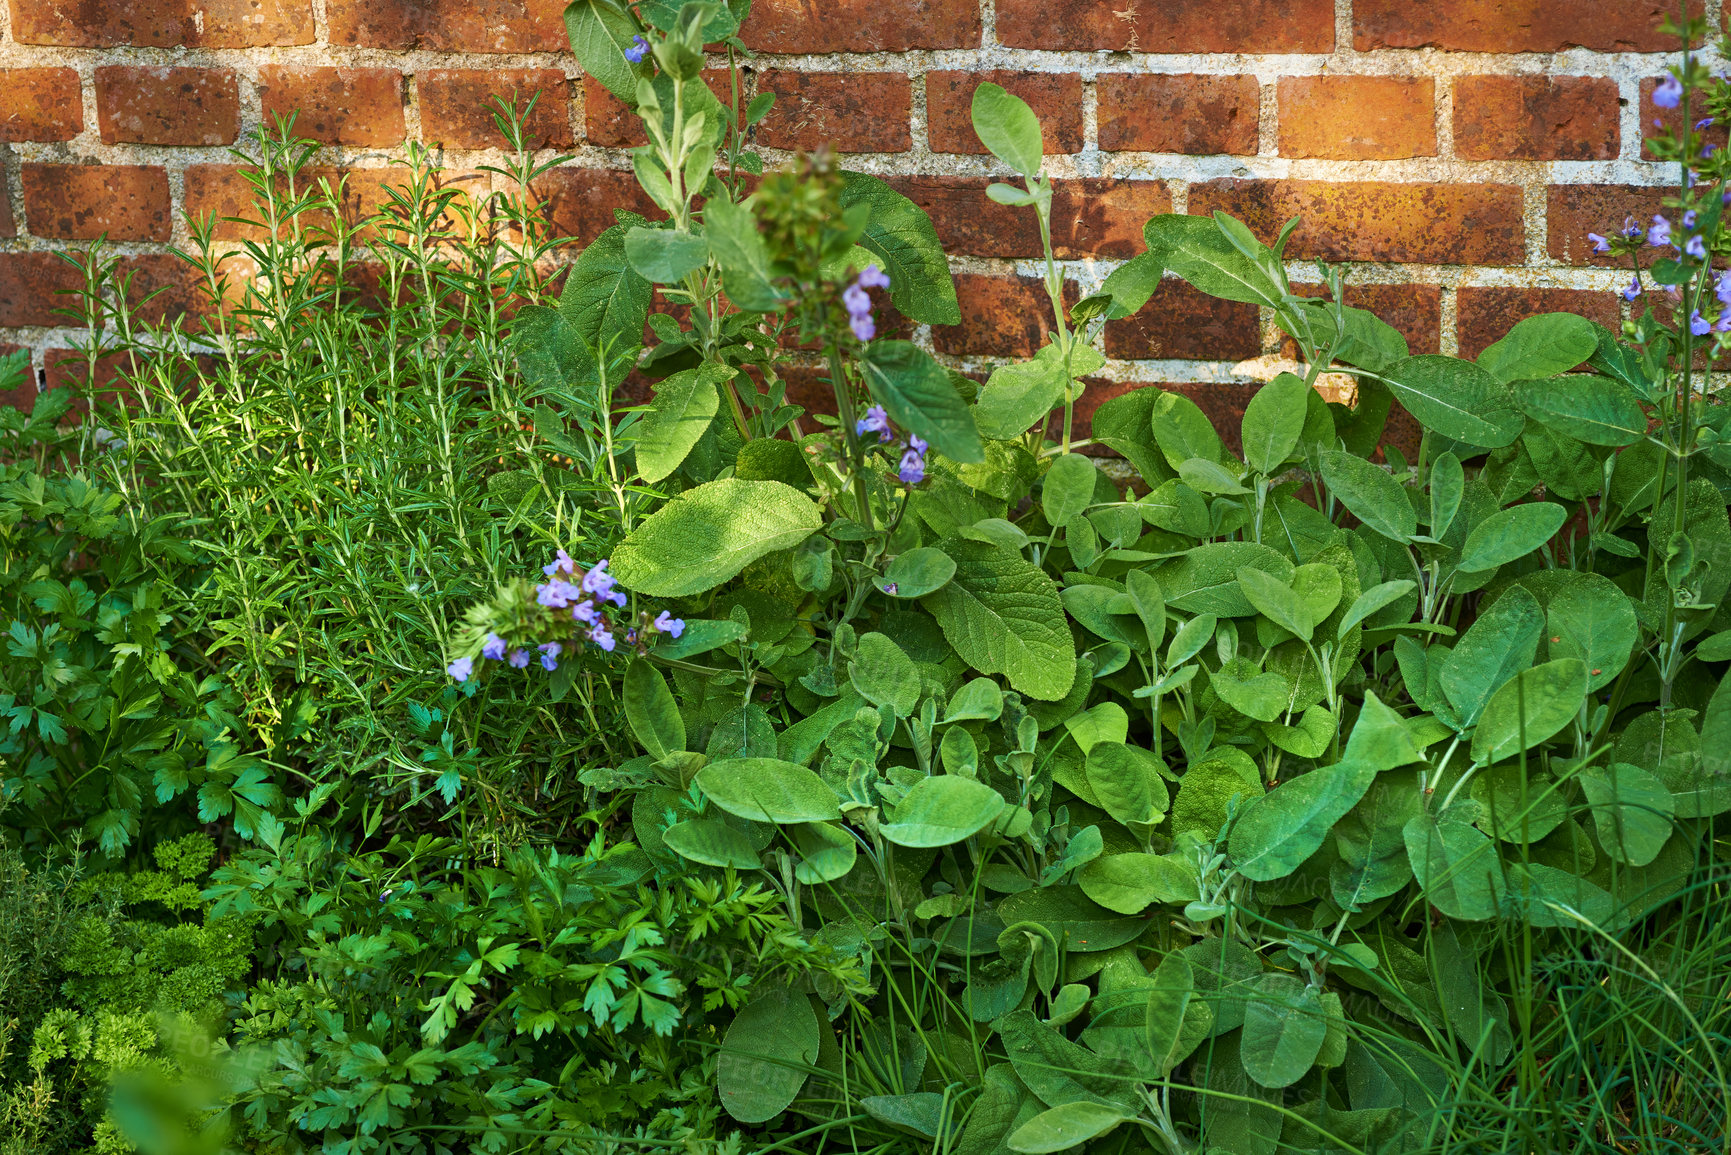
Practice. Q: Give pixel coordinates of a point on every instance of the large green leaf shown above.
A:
(1064, 1127)
(884, 675)
(708, 534)
(917, 393)
(1003, 615)
(1370, 494)
(1596, 410)
(684, 405)
(1128, 883)
(1176, 1021)
(1631, 810)
(605, 301)
(1511, 534)
(766, 1055)
(1457, 399)
(1020, 395)
(1529, 708)
(1124, 424)
(1182, 430)
(1591, 619)
(1372, 844)
(1284, 1027)
(1205, 580)
(601, 31)
(1502, 641)
(712, 843)
(1008, 128)
(1541, 346)
(1127, 781)
(942, 810)
(1456, 865)
(1369, 342)
(902, 236)
(768, 790)
(550, 354)
(739, 249)
(1195, 249)
(665, 256)
(651, 711)
(1274, 421)
(1068, 488)
(1057, 1070)
(1709, 792)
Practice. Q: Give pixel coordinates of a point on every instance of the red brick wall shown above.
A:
(1467, 146)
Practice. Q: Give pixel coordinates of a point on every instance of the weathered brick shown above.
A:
(1574, 210)
(607, 120)
(1181, 322)
(1535, 118)
(1103, 216)
(358, 106)
(40, 104)
(163, 23)
(813, 26)
(1668, 122)
(1055, 97)
(1001, 317)
(1508, 26)
(33, 286)
(1485, 315)
(1357, 117)
(1195, 115)
(580, 201)
(450, 25)
(458, 104)
(79, 202)
(849, 111)
(968, 223)
(1415, 223)
(1168, 25)
(190, 106)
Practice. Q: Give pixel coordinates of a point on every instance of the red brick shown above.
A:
(450, 25)
(817, 26)
(1103, 216)
(1055, 97)
(33, 286)
(40, 104)
(1535, 118)
(1574, 210)
(1484, 316)
(580, 201)
(163, 23)
(1668, 122)
(1415, 310)
(1514, 25)
(1357, 117)
(1193, 114)
(1168, 25)
(607, 120)
(1181, 322)
(1413, 223)
(848, 111)
(968, 223)
(167, 105)
(78, 202)
(358, 106)
(1001, 317)
(457, 106)
(24, 396)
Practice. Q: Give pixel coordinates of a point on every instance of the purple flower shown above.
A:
(493, 647)
(1660, 233)
(1723, 324)
(1669, 94)
(598, 580)
(672, 626)
(563, 563)
(1689, 219)
(1704, 124)
(917, 443)
(638, 50)
(519, 659)
(601, 637)
(550, 652)
(1633, 291)
(1696, 247)
(1631, 228)
(913, 468)
(875, 420)
(1600, 244)
(1722, 288)
(859, 303)
(584, 612)
(863, 326)
(856, 299)
(461, 668)
(556, 594)
(890, 588)
(1699, 325)
(615, 597)
(873, 278)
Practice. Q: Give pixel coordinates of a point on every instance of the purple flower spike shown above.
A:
(563, 563)
(913, 468)
(550, 652)
(1660, 233)
(602, 638)
(876, 421)
(863, 326)
(461, 669)
(556, 594)
(1669, 94)
(917, 444)
(1696, 247)
(856, 299)
(598, 580)
(519, 659)
(1699, 325)
(873, 278)
(493, 648)
(1600, 244)
(638, 50)
(584, 612)
(1633, 291)
(672, 626)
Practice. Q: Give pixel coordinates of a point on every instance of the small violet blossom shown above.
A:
(563, 563)
(1633, 291)
(493, 648)
(1696, 247)
(638, 50)
(550, 652)
(1723, 324)
(1669, 94)
(583, 612)
(1689, 219)
(1699, 325)
(557, 594)
(598, 580)
(875, 420)
(1631, 228)
(461, 668)
(859, 302)
(1660, 233)
(913, 464)
(1722, 288)
(1600, 244)
(673, 627)
(601, 637)
(519, 659)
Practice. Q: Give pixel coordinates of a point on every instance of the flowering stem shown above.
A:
(844, 408)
